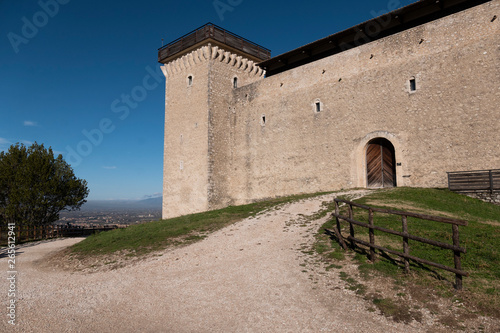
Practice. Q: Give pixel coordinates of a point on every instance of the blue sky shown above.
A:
(69, 67)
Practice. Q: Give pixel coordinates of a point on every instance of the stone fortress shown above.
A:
(395, 101)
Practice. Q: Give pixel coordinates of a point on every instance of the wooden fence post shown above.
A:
(337, 212)
(337, 229)
(372, 235)
(406, 246)
(351, 228)
(491, 181)
(458, 264)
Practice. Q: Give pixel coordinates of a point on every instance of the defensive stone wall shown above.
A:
(449, 123)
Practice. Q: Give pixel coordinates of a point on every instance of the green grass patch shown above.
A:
(353, 285)
(329, 267)
(321, 247)
(398, 312)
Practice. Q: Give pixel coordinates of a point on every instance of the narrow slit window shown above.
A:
(318, 106)
(263, 119)
(235, 82)
(413, 85)
(190, 80)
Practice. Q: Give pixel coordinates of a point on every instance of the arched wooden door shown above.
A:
(380, 164)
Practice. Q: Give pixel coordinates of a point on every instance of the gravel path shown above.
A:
(244, 278)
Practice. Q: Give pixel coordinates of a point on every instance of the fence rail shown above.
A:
(456, 248)
(34, 233)
(472, 181)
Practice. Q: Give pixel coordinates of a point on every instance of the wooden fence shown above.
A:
(472, 181)
(459, 273)
(34, 233)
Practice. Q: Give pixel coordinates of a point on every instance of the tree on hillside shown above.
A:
(35, 187)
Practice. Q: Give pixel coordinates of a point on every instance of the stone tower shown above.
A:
(202, 69)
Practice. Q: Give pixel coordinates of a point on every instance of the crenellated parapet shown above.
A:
(211, 53)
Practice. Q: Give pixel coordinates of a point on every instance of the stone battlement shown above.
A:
(209, 52)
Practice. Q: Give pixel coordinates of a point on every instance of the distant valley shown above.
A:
(128, 205)
(114, 212)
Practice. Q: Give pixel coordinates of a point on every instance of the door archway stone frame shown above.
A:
(358, 170)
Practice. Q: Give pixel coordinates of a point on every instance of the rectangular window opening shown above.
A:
(413, 85)
(318, 107)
